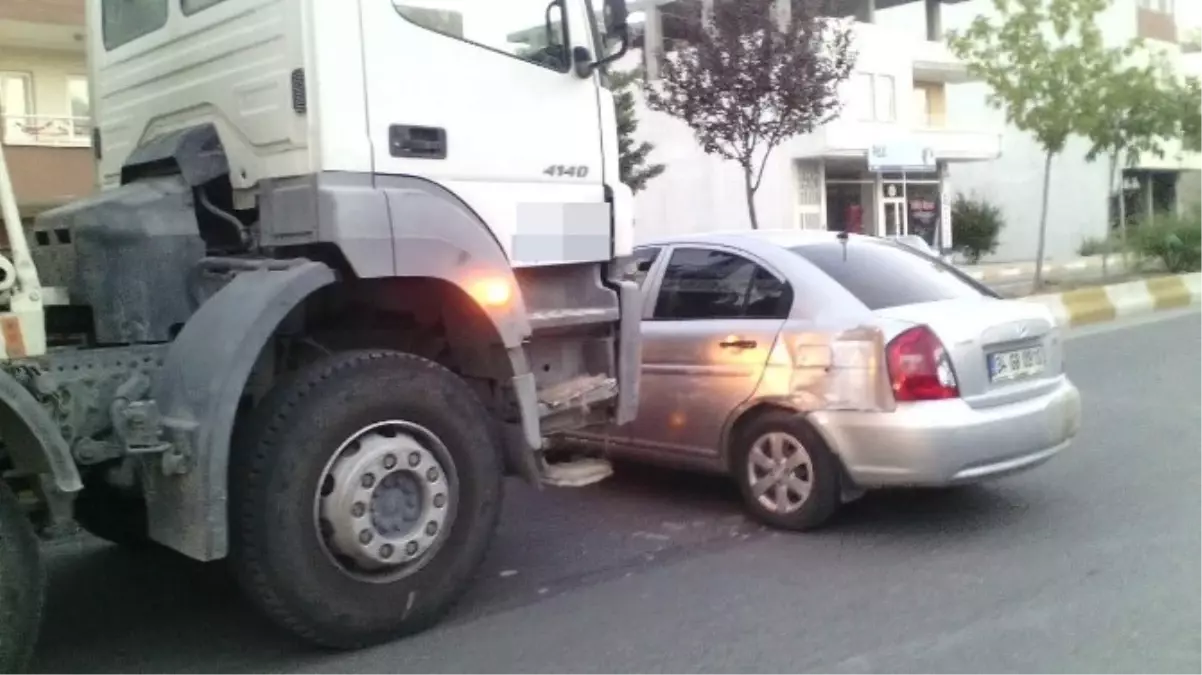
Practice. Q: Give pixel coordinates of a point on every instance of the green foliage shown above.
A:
(633, 167)
(976, 224)
(1133, 109)
(1038, 57)
(750, 76)
(1188, 97)
(1176, 240)
(1094, 246)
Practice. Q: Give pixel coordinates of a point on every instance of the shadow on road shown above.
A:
(115, 610)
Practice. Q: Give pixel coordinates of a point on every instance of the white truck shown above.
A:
(349, 263)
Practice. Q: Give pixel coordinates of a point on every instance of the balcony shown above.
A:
(56, 25)
(47, 131)
(59, 12)
(49, 159)
(846, 138)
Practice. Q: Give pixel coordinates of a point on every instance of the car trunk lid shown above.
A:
(1001, 350)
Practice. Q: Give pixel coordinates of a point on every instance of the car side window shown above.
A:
(768, 297)
(710, 284)
(638, 264)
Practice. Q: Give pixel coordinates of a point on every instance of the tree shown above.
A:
(1188, 97)
(1036, 56)
(748, 77)
(632, 154)
(1135, 109)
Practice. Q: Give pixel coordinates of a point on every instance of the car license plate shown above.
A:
(1015, 364)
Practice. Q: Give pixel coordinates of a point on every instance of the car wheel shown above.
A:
(363, 497)
(788, 476)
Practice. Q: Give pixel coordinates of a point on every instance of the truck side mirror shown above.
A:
(613, 16)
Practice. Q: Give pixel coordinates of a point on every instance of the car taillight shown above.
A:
(919, 367)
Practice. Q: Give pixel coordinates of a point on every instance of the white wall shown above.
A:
(699, 192)
(1078, 190)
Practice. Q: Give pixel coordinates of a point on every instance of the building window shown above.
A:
(884, 99)
(859, 97)
(78, 98)
(1162, 6)
(16, 94)
(870, 98)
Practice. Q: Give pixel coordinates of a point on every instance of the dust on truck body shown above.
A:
(350, 262)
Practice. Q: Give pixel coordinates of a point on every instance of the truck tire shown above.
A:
(22, 585)
(364, 492)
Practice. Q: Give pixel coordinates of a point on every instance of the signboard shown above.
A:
(906, 155)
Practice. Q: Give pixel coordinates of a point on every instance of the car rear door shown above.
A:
(711, 323)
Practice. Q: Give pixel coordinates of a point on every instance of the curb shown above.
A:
(1098, 304)
(997, 272)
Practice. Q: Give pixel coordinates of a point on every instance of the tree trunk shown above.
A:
(750, 190)
(1123, 218)
(1043, 222)
(1114, 161)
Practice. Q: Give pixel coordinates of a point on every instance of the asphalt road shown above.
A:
(1089, 564)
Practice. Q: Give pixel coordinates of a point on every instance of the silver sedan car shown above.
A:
(812, 366)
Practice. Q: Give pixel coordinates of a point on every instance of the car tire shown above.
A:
(787, 475)
(22, 585)
(295, 498)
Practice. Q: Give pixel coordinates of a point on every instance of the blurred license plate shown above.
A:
(1016, 364)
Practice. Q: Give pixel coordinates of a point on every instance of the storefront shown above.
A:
(885, 203)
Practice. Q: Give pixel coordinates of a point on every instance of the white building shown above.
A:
(911, 106)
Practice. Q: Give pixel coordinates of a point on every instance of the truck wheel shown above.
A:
(363, 496)
(22, 585)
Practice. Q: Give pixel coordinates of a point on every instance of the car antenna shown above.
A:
(842, 237)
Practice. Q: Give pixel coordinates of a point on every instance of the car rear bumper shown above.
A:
(938, 443)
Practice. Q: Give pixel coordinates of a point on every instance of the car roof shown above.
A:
(753, 240)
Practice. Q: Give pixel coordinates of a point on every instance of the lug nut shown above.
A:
(365, 537)
(432, 474)
(386, 551)
(440, 500)
(368, 480)
(414, 459)
(411, 548)
(431, 528)
(358, 509)
(389, 461)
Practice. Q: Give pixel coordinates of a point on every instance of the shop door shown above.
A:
(895, 217)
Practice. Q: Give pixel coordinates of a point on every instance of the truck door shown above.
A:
(480, 96)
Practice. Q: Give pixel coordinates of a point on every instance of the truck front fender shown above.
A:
(198, 391)
(31, 437)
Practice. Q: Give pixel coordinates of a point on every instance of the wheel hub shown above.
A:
(385, 501)
(779, 470)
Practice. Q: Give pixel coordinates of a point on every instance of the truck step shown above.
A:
(577, 393)
(579, 472)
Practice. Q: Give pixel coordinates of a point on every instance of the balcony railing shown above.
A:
(47, 130)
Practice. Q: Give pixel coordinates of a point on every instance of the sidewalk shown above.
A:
(1000, 271)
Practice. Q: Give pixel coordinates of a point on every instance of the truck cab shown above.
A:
(350, 263)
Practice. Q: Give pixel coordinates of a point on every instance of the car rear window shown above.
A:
(883, 274)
